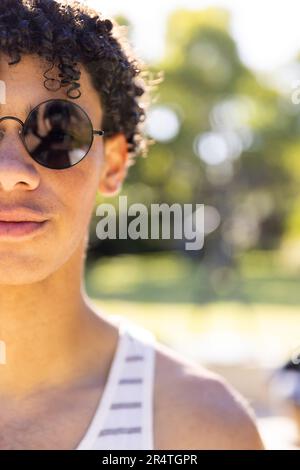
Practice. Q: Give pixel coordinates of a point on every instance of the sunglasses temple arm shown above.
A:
(98, 132)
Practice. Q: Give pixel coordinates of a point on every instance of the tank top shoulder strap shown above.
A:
(124, 417)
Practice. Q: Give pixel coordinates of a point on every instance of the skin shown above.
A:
(59, 348)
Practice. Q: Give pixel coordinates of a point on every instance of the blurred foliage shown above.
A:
(237, 146)
(170, 277)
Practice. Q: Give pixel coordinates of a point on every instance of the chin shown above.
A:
(20, 278)
(21, 271)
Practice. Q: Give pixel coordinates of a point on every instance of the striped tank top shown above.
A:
(124, 416)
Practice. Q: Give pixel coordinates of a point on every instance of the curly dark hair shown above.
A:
(66, 33)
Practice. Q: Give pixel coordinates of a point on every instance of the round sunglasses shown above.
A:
(57, 133)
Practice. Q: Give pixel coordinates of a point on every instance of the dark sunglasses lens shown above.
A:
(57, 134)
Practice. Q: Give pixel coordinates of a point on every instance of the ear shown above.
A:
(114, 169)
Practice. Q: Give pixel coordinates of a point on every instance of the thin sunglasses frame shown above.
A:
(93, 131)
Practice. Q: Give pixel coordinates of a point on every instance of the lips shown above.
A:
(21, 215)
(18, 229)
(19, 222)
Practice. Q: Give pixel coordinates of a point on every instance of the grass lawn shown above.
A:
(249, 314)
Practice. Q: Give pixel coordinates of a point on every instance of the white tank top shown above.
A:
(124, 416)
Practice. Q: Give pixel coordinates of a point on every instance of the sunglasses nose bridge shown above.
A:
(20, 131)
(15, 119)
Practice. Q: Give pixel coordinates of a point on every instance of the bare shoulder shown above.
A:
(197, 409)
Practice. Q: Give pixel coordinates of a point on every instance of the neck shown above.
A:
(46, 328)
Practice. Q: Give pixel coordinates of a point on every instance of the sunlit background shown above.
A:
(226, 121)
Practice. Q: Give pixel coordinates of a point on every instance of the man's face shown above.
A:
(66, 197)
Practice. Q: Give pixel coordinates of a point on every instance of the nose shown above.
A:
(17, 169)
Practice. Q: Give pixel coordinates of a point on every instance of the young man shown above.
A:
(59, 350)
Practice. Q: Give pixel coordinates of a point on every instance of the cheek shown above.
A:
(79, 191)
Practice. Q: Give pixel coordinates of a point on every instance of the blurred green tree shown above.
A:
(224, 138)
